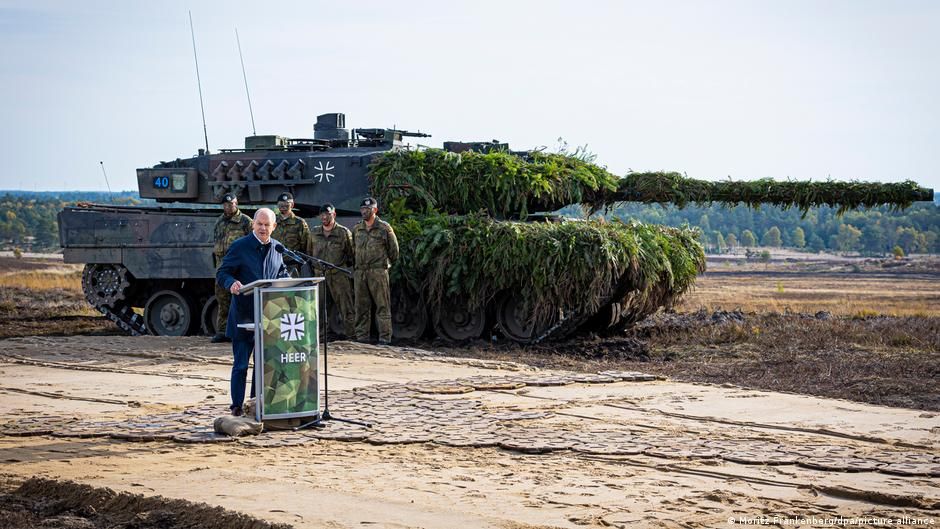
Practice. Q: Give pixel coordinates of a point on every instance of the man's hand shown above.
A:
(236, 286)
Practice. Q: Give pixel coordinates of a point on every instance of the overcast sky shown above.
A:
(747, 89)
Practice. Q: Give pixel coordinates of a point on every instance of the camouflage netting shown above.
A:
(508, 185)
(443, 204)
(676, 189)
(503, 184)
(577, 266)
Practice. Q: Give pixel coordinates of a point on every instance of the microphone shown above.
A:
(304, 258)
(279, 248)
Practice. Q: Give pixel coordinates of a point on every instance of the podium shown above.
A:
(287, 347)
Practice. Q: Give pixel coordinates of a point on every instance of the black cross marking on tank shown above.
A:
(323, 171)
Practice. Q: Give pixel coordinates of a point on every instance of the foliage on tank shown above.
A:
(676, 189)
(445, 207)
(501, 183)
(576, 265)
(508, 185)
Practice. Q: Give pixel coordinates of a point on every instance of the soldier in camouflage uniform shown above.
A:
(291, 231)
(332, 243)
(376, 248)
(230, 226)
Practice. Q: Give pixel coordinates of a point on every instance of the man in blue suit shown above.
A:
(248, 259)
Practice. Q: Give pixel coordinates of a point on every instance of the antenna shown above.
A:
(199, 82)
(245, 76)
(106, 181)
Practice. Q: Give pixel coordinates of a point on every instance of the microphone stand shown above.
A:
(326, 415)
(320, 262)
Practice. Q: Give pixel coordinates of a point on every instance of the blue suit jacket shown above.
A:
(244, 262)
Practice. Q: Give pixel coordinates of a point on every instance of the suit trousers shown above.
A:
(241, 351)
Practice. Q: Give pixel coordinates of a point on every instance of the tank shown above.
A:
(483, 254)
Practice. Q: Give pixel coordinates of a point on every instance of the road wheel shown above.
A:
(409, 313)
(514, 319)
(169, 313)
(454, 321)
(210, 315)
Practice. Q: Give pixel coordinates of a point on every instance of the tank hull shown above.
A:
(149, 269)
(158, 260)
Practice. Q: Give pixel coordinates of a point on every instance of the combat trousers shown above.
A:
(224, 298)
(372, 288)
(341, 290)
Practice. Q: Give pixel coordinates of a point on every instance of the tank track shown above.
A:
(106, 286)
(125, 318)
(566, 325)
(571, 322)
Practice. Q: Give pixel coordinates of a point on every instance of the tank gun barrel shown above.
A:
(508, 185)
(662, 187)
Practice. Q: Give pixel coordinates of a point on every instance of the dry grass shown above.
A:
(66, 279)
(40, 274)
(44, 296)
(843, 294)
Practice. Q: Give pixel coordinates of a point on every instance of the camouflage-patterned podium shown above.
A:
(287, 347)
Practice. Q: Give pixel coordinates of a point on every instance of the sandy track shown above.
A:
(700, 463)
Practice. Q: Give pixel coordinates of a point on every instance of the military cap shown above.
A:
(284, 197)
(327, 208)
(369, 202)
(228, 197)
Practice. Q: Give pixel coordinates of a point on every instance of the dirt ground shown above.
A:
(559, 450)
(706, 417)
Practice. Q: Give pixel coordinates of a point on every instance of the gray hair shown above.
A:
(265, 211)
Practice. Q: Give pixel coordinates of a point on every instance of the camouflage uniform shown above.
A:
(336, 248)
(226, 230)
(293, 233)
(376, 250)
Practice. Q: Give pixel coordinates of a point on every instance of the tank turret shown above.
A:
(332, 167)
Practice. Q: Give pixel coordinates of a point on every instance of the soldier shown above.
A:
(292, 231)
(376, 248)
(230, 226)
(332, 243)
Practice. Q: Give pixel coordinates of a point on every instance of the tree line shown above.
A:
(875, 231)
(28, 219)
